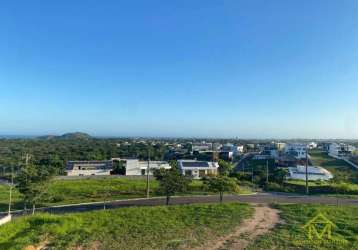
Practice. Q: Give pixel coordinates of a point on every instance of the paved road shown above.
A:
(256, 198)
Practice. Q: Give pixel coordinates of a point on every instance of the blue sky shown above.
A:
(252, 69)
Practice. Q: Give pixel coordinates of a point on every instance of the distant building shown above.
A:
(314, 173)
(297, 150)
(270, 151)
(203, 146)
(312, 145)
(235, 149)
(340, 150)
(226, 155)
(280, 145)
(324, 146)
(85, 168)
(136, 167)
(197, 169)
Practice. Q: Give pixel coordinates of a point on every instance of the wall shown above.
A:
(5, 220)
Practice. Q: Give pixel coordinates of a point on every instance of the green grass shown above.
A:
(96, 189)
(291, 235)
(345, 181)
(161, 227)
(339, 168)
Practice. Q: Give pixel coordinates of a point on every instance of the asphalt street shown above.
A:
(255, 198)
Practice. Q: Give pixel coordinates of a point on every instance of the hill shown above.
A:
(67, 136)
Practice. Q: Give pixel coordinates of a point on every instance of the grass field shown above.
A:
(339, 168)
(345, 180)
(163, 227)
(96, 189)
(291, 235)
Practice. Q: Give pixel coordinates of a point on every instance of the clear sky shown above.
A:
(228, 68)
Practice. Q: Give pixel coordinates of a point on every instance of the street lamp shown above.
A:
(11, 186)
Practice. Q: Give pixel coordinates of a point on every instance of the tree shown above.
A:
(279, 176)
(221, 184)
(119, 167)
(32, 183)
(225, 167)
(171, 181)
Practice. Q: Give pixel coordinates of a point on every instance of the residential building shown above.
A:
(226, 155)
(297, 150)
(137, 167)
(197, 169)
(203, 146)
(340, 150)
(313, 173)
(312, 145)
(235, 149)
(85, 168)
(280, 146)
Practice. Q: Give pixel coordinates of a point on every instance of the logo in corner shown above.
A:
(319, 227)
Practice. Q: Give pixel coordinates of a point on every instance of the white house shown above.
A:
(235, 149)
(340, 150)
(312, 145)
(85, 168)
(297, 150)
(313, 173)
(197, 169)
(203, 146)
(280, 145)
(136, 167)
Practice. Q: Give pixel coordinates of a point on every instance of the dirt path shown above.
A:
(263, 220)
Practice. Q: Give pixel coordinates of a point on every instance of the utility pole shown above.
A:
(148, 169)
(307, 191)
(27, 158)
(11, 186)
(212, 149)
(252, 177)
(267, 172)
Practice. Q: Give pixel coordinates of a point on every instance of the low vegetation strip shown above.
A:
(74, 191)
(293, 235)
(165, 227)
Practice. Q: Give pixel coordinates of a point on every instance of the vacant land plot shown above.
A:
(163, 227)
(292, 235)
(339, 168)
(96, 189)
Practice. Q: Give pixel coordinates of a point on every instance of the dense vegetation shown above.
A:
(168, 227)
(55, 152)
(291, 234)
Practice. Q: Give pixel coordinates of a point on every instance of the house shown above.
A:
(313, 173)
(298, 150)
(197, 169)
(312, 145)
(235, 149)
(226, 155)
(203, 146)
(280, 145)
(86, 168)
(340, 150)
(270, 151)
(137, 167)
